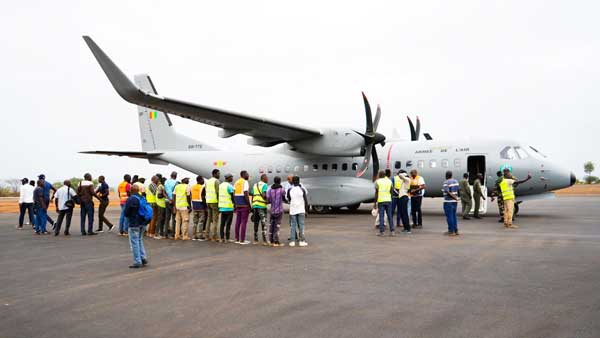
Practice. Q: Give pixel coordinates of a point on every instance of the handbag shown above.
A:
(70, 203)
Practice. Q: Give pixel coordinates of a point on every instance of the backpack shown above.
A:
(145, 210)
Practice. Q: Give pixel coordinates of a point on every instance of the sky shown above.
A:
(524, 70)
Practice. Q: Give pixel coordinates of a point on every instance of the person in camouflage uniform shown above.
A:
(498, 194)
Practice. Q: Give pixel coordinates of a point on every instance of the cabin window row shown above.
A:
(306, 167)
(432, 164)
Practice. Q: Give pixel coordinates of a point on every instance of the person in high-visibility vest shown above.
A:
(241, 196)
(212, 206)
(417, 190)
(401, 186)
(226, 207)
(123, 189)
(507, 185)
(199, 209)
(151, 199)
(259, 207)
(181, 196)
(161, 197)
(383, 202)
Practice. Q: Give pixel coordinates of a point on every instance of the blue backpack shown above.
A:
(145, 210)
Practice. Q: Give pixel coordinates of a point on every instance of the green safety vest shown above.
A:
(180, 192)
(397, 182)
(257, 199)
(508, 193)
(161, 201)
(150, 197)
(211, 193)
(225, 200)
(384, 185)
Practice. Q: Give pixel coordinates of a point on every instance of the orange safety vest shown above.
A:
(197, 192)
(123, 191)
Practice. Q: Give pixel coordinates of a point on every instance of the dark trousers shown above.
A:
(87, 210)
(160, 226)
(385, 208)
(101, 218)
(61, 215)
(25, 207)
(403, 213)
(417, 215)
(226, 220)
(170, 213)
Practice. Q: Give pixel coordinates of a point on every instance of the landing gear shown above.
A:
(320, 209)
(517, 209)
(353, 207)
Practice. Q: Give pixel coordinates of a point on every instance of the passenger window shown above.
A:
(261, 170)
(334, 166)
(521, 152)
(324, 167)
(306, 167)
(457, 162)
(355, 166)
(445, 163)
(287, 169)
(315, 167)
(270, 170)
(408, 164)
(397, 165)
(344, 166)
(433, 164)
(508, 153)
(421, 164)
(278, 169)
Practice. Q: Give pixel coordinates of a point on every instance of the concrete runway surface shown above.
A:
(542, 280)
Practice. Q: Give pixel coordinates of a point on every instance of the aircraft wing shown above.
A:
(265, 132)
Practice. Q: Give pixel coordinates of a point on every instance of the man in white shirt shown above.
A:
(25, 202)
(298, 206)
(62, 195)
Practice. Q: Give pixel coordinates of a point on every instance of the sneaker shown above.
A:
(447, 233)
(302, 243)
(92, 233)
(380, 234)
(237, 242)
(456, 233)
(452, 234)
(201, 239)
(67, 233)
(255, 242)
(99, 230)
(19, 228)
(292, 243)
(157, 237)
(265, 243)
(513, 226)
(144, 261)
(194, 239)
(110, 228)
(245, 242)
(393, 234)
(135, 266)
(230, 240)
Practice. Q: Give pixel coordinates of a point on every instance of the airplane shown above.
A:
(331, 162)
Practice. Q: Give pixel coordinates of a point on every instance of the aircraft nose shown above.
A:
(573, 179)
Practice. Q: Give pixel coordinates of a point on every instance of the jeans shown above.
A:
(40, 220)
(450, 211)
(101, 218)
(61, 215)
(199, 222)
(25, 207)
(87, 209)
(403, 212)
(241, 220)
(274, 228)
(160, 225)
(417, 215)
(385, 208)
(136, 242)
(261, 218)
(226, 219)
(297, 221)
(182, 223)
(123, 221)
(170, 218)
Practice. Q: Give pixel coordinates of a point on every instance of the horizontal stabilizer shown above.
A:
(134, 154)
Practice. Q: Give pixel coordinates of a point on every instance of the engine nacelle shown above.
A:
(333, 142)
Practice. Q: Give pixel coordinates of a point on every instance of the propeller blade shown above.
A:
(377, 117)
(368, 115)
(365, 164)
(375, 162)
(412, 129)
(418, 130)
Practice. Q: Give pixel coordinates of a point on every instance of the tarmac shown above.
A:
(541, 280)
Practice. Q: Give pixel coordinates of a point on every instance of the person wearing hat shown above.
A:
(25, 202)
(507, 185)
(182, 198)
(41, 208)
(47, 186)
(226, 207)
(496, 193)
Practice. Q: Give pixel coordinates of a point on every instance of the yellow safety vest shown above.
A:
(150, 197)
(384, 185)
(397, 182)
(508, 192)
(225, 200)
(180, 192)
(161, 201)
(257, 199)
(197, 192)
(211, 193)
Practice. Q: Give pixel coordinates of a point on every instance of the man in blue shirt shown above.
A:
(450, 189)
(170, 210)
(136, 227)
(47, 186)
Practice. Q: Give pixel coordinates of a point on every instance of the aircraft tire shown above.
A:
(320, 209)
(353, 207)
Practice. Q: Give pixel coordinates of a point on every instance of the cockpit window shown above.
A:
(537, 152)
(521, 153)
(508, 153)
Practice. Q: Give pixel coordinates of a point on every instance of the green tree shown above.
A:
(74, 183)
(588, 168)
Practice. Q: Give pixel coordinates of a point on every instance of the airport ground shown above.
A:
(539, 281)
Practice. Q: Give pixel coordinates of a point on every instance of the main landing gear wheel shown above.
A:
(517, 208)
(320, 209)
(353, 207)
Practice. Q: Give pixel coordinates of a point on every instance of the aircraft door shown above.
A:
(476, 165)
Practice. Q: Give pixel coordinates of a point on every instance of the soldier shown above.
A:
(466, 197)
(477, 195)
(498, 194)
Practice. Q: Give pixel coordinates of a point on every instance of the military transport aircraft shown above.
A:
(331, 162)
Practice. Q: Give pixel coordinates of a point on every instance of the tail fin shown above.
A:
(156, 128)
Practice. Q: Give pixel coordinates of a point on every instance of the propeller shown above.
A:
(372, 138)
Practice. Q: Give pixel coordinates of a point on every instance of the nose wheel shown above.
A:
(320, 209)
